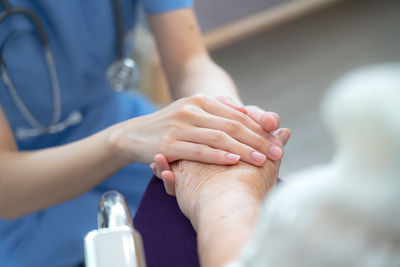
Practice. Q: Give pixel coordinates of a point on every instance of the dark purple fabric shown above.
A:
(168, 236)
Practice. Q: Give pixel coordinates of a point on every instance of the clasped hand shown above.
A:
(199, 128)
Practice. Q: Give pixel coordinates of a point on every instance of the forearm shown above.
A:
(188, 67)
(30, 181)
(202, 75)
(225, 226)
(222, 204)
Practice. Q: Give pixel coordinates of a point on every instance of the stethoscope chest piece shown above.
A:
(124, 74)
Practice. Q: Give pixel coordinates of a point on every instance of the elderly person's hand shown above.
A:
(223, 202)
(198, 184)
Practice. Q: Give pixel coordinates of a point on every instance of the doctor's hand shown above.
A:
(269, 121)
(199, 128)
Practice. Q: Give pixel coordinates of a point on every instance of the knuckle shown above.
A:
(218, 136)
(246, 120)
(233, 126)
(166, 145)
(199, 98)
(198, 152)
(187, 110)
(175, 126)
(261, 143)
(259, 130)
(240, 117)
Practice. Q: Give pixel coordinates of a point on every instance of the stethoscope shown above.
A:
(122, 74)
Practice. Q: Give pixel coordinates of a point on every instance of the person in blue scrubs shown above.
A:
(51, 182)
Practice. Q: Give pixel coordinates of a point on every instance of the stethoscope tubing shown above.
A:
(118, 28)
(28, 13)
(54, 85)
(75, 117)
(38, 27)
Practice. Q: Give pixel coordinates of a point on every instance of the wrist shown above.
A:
(229, 205)
(117, 144)
(219, 184)
(229, 194)
(225, 224)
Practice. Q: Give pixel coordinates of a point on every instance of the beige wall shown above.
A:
(288, 68)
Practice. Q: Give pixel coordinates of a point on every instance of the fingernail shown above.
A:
(257, 156)
(232, 157)
(276, 118)
(284, 135)
(158, 170)
(275, 152)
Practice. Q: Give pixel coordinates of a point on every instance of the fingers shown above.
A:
(267, 144)
(162, 163)
(208, 112)
(168, 178)
(283, 134)
(269, 121)
(215, 107)
(159, 165)
(221, 140)
(162, 170)
(243, 135)
(153, 167)
(230, 103)
(199, 152)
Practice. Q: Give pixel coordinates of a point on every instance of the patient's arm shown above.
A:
(223, 203)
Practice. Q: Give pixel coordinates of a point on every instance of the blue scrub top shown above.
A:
(83, 41)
